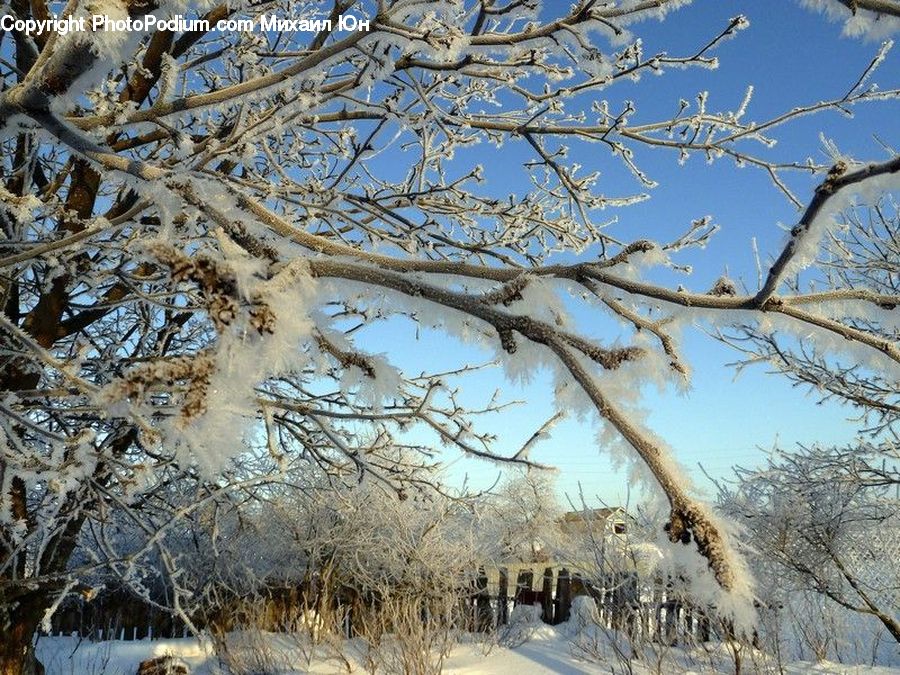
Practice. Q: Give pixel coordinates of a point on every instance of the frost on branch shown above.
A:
(202, 232)
(869, 19)
(856, 274)
(260, 325)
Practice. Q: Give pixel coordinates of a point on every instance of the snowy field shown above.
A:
(545, 649)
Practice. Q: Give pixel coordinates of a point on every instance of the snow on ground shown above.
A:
(545, 650)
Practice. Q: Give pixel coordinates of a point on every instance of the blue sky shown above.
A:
(792, 57)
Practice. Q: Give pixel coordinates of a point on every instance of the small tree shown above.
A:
(521, 522)
(827, 520)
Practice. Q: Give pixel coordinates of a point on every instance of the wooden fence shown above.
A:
(645, 609)
(114, 615)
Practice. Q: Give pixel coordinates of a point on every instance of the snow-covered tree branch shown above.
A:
(199, 226)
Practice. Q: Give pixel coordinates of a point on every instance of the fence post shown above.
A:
(547, 596)
(673, 616)
(703, 626)
(658, 600)
(689, 622)
(617, 602)
(524, 581)
(503, 596)
(484, 616)
(563, 596)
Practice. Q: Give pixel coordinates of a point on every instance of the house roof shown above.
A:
(594, 515)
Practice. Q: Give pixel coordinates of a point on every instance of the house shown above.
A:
(587, 544)
(605, 520)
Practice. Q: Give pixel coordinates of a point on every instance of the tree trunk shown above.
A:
(17, 655)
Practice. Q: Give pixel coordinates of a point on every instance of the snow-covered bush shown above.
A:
(824, 524)
(390, 571)
(522, 521)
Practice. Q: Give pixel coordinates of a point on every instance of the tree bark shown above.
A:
(20, 622)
